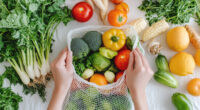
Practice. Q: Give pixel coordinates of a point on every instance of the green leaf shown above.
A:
(1, 43)
(1, 81)
(15, 20)
(9, 100)
(174, 11)
(12, 76)
(33, 7)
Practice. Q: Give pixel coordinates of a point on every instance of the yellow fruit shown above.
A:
(197, 57)
(182, 64)
(178, 39)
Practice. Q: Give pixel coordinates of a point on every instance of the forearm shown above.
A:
(58, 97)
(139, 99)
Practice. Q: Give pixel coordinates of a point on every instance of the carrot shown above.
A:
(194, 36)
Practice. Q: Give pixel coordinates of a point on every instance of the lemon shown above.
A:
(182, 64)
(197, 57)
(178, 39)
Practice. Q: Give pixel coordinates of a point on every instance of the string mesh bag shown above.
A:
(85, 95)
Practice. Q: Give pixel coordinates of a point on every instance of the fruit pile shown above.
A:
(181, 64)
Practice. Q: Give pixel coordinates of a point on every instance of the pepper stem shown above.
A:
(114, 38)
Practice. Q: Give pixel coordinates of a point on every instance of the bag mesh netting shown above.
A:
(84, 95)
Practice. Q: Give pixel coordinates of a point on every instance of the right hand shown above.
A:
(138, 74)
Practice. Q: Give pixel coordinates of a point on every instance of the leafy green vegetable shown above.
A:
(9, 100)
(174, 11)
(26, 31)
(14, 79)
(82, 64)
(198, 12)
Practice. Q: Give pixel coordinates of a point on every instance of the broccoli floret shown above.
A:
(79, 48)
(120, 102)
(93, 39)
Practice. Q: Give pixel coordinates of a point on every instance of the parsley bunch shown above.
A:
(173, 11)
(9, 100)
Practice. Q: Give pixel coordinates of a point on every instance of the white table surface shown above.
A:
(159, 96)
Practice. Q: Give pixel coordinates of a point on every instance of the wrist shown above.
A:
(62, 88)
(137, 90)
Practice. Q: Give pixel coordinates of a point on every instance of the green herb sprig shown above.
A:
(173, 11)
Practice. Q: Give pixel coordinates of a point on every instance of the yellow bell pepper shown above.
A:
(114, 39)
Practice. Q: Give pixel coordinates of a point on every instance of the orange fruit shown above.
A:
(178, 39)
(123, 7)
(182, 64)
(193, 87)
(119, 75)
(98, 79)
(197, 57)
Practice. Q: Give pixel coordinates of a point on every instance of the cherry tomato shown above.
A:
(117, 1)
(123, 7)
(117, 18)
(82, 12)
(122, 59)
(119, 75)
(193, 87)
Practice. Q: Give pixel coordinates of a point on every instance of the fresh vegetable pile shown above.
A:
(92, 99)
(173, 11)
(98, 58)
(26, 31)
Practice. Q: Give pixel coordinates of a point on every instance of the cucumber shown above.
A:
(166, 78)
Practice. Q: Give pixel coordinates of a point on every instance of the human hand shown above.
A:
(62, 69)
(139, 74)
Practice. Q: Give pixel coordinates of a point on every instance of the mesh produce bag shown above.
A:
(84, 95)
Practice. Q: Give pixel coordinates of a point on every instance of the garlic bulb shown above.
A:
(154, 48)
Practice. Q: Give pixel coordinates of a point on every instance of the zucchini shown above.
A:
(166, 78)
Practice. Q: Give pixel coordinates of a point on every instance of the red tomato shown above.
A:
(82, 12)
(119, 75)
(122, 59)
(117, 1)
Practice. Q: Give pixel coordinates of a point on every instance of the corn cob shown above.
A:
(156, 29)
(139, 24)
(194, 37)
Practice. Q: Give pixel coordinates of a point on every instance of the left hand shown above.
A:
(139, 72)
(62, 69)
